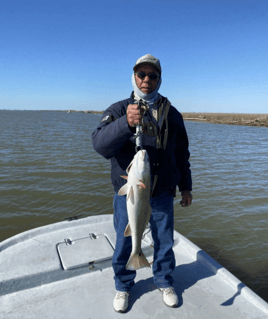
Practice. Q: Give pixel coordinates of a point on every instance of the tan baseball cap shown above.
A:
(148, 58)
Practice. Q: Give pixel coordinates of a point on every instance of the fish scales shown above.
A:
(137, 190)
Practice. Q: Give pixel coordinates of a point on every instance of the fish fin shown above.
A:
(123, 190)
(137, 261)
(131, 195)
(141, 184)
(129, 167)
(127, 231)
(124, 176)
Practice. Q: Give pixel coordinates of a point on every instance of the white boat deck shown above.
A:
(35, 285)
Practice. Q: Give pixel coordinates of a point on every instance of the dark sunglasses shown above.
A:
(142, 75)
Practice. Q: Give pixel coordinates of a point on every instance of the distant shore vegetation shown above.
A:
(217, 118)
(228, 118)
(247, 119)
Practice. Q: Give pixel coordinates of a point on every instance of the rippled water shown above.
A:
(49, 171)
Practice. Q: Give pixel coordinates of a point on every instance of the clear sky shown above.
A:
(79, 54)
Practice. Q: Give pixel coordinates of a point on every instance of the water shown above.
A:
(49, 172)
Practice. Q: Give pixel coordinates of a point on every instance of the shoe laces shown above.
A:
(122, 295)
(169, 291)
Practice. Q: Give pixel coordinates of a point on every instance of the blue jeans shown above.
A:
(162, 227)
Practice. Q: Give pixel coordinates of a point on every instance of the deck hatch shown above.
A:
(80, 252)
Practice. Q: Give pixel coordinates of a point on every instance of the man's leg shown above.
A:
(124, 279)
(162, 226)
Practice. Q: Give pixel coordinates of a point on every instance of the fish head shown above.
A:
(141, 164)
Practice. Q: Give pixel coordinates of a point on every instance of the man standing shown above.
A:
(165, 140)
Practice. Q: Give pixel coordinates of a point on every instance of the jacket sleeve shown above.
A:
(112, 132)
(182, 159)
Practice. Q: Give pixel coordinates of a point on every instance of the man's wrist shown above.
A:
(185, 192)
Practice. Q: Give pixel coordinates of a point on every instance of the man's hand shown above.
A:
(134, 115)
(186, 198)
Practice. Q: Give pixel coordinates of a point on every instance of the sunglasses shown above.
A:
(142, 75)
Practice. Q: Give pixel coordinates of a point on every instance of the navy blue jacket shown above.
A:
(113, 139)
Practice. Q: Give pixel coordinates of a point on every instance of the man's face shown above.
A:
(146, 85)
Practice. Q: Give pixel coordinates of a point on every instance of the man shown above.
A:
(165, 139)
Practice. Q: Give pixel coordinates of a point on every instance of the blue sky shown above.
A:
(79, 54)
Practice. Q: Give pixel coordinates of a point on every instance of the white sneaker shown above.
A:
(170, 297)
(121, 301)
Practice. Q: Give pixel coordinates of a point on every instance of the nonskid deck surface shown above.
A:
(35, 285)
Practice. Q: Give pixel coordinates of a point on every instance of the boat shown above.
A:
(64, 270)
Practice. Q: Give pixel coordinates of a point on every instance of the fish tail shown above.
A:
(137, 261)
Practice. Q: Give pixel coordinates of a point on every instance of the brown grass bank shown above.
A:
(228, 118)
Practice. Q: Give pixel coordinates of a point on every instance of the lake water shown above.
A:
(49, 172)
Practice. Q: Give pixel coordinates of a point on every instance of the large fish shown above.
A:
(137, 190)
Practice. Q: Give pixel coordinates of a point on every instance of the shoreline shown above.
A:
(245, 119)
